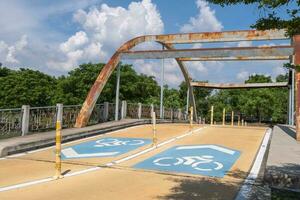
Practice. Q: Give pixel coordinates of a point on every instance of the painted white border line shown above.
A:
(21, 185)
(245, 191)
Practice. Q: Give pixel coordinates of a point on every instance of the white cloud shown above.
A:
(204, 21)
(243, 75)
(172, 73)
(105, 29)
(74, 42)
(9, 53)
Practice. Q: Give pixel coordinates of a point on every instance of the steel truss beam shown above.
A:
(238, 86)
(226, 36)
(211, 53)
(167, 40)
(257, 58)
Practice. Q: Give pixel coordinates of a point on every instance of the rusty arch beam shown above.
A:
(227, 36)
(96, 89)
(239, 86)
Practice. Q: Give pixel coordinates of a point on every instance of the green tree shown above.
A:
(25, 87)
(74, 88)
(271, 8)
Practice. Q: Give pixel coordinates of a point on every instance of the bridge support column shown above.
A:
(296, 43)
(117, 92)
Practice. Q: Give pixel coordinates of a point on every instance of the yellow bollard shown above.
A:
(212, 115)
(154, 137)
(191, 117)
(224, 112)
(232, 118)
(58, 151)
(239, 119)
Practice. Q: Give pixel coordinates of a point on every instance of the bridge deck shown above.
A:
(130, 176)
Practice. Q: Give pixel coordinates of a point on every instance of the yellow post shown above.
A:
(191, 117)
(212, 115)
(154, 138)
(224, 111)
(58, 151)
(239, 119)
(232, 118)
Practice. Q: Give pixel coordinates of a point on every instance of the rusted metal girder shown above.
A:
(239, 86)
(229, 36)
(296, 44)
(209, 53)
(188, 80)
(257, 58)
(226, 36)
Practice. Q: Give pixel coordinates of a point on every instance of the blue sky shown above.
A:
(56, 36)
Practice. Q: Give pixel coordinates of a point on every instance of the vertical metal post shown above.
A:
(59, 116)
(224, 112)
(105, 111)
(162, 77)
(123, 110)
(191, 117)
(289, 113)
(239, 119)
(152, 110)
(117, 93)
(25, 119)
(179, 114)
(232, 118)
(187, 100)
(293, 99)
(296, 44)
(212, 115)
(139, 110)
(154, 138)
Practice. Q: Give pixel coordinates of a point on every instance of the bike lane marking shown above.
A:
(104, 147)
(45, 180)
(208, 160)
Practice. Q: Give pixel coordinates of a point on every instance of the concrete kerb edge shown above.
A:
(19, 148)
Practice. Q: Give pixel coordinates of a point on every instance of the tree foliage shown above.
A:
(271, 8)
(34, 88)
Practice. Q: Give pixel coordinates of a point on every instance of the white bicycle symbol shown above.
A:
(109, 142)
(194, 161)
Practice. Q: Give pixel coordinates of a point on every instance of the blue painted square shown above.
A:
(103, 147)
(208, 160)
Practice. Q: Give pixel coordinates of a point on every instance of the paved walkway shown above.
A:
(131, 176)
(283, 164)
(38, 140)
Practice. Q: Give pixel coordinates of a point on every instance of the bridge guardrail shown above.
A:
(29, 120)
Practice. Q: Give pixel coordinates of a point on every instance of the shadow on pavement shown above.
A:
(291, 132)
(205, 188)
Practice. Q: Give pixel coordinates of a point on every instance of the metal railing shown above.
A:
(28, 120)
